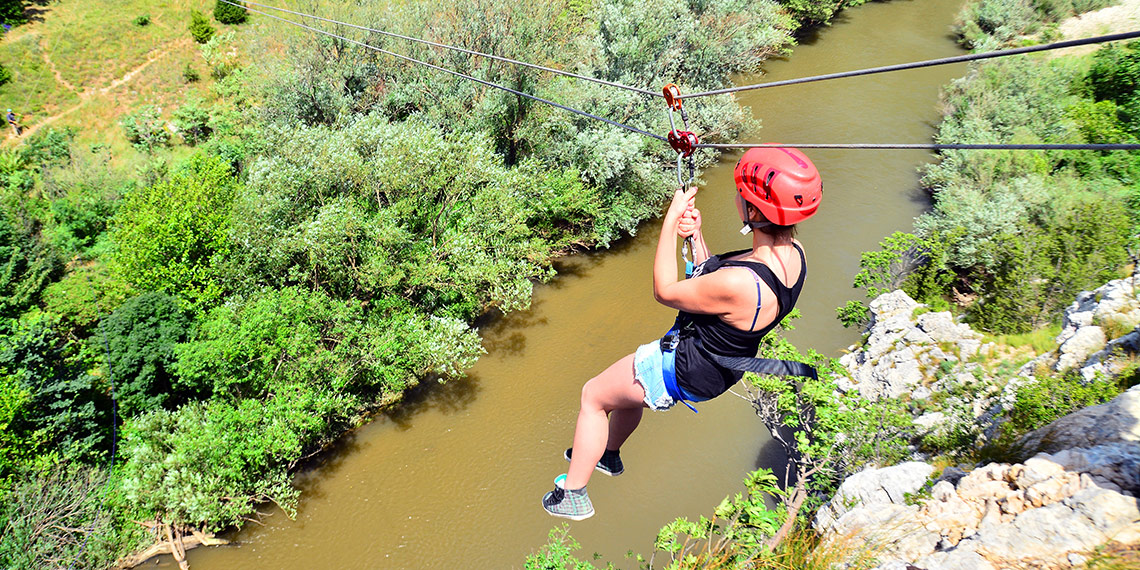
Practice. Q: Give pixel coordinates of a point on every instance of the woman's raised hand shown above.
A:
(683, 201)
(690, 223)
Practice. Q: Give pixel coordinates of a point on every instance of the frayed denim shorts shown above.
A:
(647, 372)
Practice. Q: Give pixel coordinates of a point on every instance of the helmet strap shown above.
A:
(751, 226)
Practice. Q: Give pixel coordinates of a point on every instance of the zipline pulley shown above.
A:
(683, 143)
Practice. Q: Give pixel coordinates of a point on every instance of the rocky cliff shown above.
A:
(1076, 492)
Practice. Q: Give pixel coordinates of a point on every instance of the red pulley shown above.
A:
(684, 142)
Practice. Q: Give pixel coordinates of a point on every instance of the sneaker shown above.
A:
(610, 463)
(572, 504)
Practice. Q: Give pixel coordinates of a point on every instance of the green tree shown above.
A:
(200, 28)
(251, 347)
(56, 409)
(173, 236)
(12, 12)
(229, 13)
(141, 336)
(193, 122)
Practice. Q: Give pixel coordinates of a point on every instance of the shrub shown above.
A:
(1047, 399)
(220, 55)
(5, 75)
(145, 128)
(200, 28)
(193, 122)
(190, 74)
(228, 13)
(142, 20)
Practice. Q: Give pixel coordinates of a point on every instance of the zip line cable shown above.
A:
(932, 146)
(730, 146)
(458, 74)
(927, 63)
(458, 49)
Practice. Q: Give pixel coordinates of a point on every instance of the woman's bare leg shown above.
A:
(622, 423)
(614, 389)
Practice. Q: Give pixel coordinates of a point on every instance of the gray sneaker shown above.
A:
(610, 463)
(572, 504)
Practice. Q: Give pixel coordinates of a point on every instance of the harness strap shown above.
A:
(758, 297)
(759, 365)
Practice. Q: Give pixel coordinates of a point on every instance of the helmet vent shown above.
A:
(800, 199)
(768, 179)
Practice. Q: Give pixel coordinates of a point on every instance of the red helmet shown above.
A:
(781, 182)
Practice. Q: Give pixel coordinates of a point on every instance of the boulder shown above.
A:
(1117, 420)
(1077, 349)
(883, 486)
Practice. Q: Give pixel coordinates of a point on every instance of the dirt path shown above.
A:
(88, 94)
(54, 70)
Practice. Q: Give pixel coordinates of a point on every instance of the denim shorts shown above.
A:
(647, 372)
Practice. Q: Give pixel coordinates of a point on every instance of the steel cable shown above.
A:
(730, 146)
(458, 74)
(931, 146)
(458, 49)
(920, 64)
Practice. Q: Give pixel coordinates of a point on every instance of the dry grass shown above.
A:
(83, 63)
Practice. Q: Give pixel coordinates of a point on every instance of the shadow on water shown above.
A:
(326, 464)
(448, 398)
(772, 456)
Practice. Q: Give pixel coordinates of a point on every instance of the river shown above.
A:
(453, 478)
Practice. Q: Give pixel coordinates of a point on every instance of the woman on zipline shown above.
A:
(729, 304)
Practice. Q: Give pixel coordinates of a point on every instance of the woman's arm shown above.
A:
(715, 293)
(665, 260)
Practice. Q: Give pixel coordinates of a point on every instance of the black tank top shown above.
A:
(696, 373)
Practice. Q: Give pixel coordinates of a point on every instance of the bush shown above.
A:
(193, 122)
(145, 128)
(174, 235)
(1044, 400)
(190, 74)
(142, 20)
(5, 75)
(228, 13)
(200, 28)
(220, 55)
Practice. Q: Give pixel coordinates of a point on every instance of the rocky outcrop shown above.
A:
(1099, 331)
(1114, 421)
(1036, 514)
(1050, 511)
(905, 347)
(1078, 492)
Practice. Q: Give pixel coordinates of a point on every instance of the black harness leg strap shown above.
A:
(760, 365)
(766, 366)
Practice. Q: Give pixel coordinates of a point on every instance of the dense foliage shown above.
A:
(229, 12)
(990, 24)
(1018, 234)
